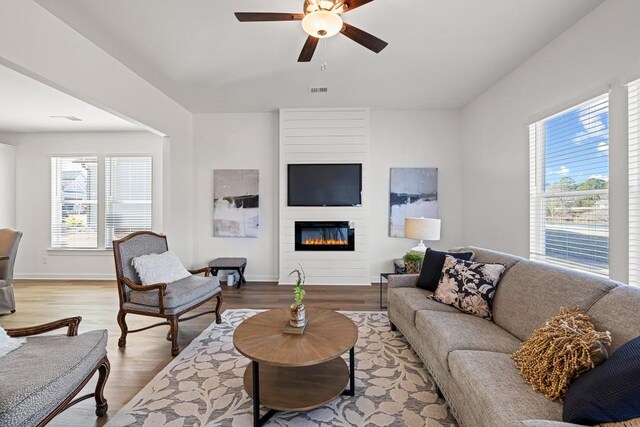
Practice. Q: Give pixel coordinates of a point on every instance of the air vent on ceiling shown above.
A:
(318, 90)
(70, 118)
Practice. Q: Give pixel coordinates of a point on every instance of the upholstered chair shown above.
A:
(165, 300)
(9, 240)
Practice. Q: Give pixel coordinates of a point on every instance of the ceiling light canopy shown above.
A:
(322, 24)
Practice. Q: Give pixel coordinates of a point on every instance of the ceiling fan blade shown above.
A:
(367, 40)
(308, 49)
(267, 16)
(354, 4)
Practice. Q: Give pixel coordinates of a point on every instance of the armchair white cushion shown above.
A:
(159, 268)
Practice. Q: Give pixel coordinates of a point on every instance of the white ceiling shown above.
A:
(26, 106)
(441, 53)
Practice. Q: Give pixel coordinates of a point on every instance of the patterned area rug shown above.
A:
(202, 386)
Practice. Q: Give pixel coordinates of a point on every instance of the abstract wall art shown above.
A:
(413, 194)
(236, 203)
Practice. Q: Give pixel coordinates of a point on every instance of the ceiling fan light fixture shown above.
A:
(322, 24)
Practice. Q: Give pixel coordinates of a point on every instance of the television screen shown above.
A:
(325, 185)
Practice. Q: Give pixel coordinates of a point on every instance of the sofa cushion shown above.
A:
(407, 301)
(38, 376)
(432, 267)
(468, 286)
(532, 292)
(178, 293)
(496, 389)
(617, 312)
(491, 257)
(446, 332)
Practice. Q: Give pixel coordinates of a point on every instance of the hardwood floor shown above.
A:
(148, 352)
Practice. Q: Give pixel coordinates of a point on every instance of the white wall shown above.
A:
(38, 44)
(398, 139)
(414, 139)
(600, 49)
(7, 185)
(237, 141)
(33, 200)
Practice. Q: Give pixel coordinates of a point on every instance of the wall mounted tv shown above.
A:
(324, 184)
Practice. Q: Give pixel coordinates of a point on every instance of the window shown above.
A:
(128, 187)
(88, 207)
(569, 187)
(634, 183)
(74, 202)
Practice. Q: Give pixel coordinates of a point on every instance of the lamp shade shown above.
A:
(422, 228)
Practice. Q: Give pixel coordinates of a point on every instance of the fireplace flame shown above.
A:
(323, 241)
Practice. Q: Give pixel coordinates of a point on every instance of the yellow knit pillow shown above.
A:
(565, 347)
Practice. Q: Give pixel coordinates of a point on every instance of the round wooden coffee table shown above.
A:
(296, 372)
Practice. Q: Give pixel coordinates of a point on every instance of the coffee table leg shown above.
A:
(256, 393)
(352, 373)
(257, 421)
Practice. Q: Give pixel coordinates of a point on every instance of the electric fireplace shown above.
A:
(324, 236)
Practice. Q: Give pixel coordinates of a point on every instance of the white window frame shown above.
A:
(101, 247)
(538, 194)
(634, 181)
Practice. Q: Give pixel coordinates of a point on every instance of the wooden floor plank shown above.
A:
(148, 352)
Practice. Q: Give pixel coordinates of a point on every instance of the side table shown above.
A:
(399, 267)
(237, 264)
(383, 276)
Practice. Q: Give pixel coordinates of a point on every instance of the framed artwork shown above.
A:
(236, 203)
(413, 194)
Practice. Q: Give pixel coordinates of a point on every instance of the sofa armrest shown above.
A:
(71, 323)
(402, 280)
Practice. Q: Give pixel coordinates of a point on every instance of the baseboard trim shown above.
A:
(63, 276)
(70, 276)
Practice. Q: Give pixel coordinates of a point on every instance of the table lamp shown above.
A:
(422, 229)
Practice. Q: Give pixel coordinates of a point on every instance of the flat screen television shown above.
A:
(325, 184)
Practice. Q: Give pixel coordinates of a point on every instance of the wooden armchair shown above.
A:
(40, 379)
(168, 301)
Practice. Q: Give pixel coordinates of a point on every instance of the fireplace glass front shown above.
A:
(324, 236)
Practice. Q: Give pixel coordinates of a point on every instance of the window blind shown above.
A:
(128, 196)
(569, 187)
(74, 202)
(634, 182)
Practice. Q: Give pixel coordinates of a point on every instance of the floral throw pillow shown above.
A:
(468, 286)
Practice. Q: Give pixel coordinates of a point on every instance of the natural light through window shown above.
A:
(569, 187)
(74, 202)
(89, 208)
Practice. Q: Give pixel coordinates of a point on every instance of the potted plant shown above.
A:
(298, 317)
(413, 261)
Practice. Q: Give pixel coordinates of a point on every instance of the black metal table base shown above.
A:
(255, 368)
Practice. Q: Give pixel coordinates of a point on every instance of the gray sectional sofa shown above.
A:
(469, 357)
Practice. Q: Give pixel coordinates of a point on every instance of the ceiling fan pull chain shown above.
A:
(323, 67)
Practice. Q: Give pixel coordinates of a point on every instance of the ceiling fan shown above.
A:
(321, 19)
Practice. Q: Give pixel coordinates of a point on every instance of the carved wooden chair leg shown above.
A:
(123, 328)
(103, 374)
(175, 349)
(218, 305)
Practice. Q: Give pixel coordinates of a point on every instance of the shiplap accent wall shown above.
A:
(325, 135)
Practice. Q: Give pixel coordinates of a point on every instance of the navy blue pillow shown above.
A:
(609, 393)
(432, 267)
